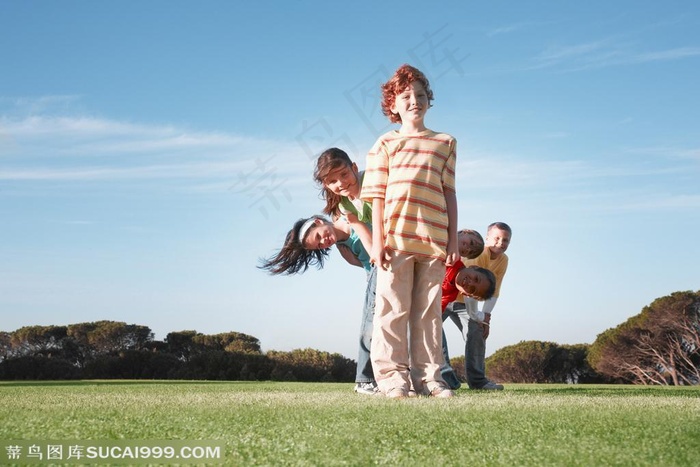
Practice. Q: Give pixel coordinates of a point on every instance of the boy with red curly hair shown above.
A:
(410, 181)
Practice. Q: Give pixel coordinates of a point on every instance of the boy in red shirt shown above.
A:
(471, 281)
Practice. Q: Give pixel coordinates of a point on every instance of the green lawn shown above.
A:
(327, 424)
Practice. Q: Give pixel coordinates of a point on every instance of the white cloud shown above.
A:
(511, 28)
(666, 152)
(604, 53)
(693, 154)
(559, 53)
(87, 173)
(71, 151)
(41, 104)
(556, 135)
(617, 182)
(116, 135)
(651, 201)
(502, 30)
(671, 54)
(79, 222)
(522, 170)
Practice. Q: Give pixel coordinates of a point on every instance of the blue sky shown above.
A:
(152, 152)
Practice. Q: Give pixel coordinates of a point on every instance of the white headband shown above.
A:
(305, 228)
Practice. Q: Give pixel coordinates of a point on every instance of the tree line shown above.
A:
(116, 350)
(660, 345)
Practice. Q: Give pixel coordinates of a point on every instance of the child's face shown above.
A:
(472, 283)
(343, 181)
(497, 241)
(470, 246)
(412, 104)
(320, 236)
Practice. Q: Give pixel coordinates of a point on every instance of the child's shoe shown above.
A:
(369, 388)
(491, 386)
(397, 393)
(451, 379)
(442, 391)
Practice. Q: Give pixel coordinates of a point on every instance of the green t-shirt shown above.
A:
(362, 209)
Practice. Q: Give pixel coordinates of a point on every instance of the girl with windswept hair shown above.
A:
(309, 241)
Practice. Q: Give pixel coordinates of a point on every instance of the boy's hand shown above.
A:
(451, 258)
(380, 256)
(452, 252)
(351, 217)
(486, 325)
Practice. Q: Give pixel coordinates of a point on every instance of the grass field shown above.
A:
(327, 424)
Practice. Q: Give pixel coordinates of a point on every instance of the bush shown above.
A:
(541, 362)
(38, 368)
(311, 365)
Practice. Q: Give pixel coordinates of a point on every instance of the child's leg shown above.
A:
(445, 355)
(364, 364)
(426, 324)
(389, 351)
(446, 371)
(453, 311)
(475, 356)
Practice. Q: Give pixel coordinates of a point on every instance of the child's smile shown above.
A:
(343, 181)
(320, 237)
(412, 103)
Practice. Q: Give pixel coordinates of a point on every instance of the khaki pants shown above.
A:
(407, 331)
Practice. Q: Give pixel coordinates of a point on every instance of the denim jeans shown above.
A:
(446, 371)
(474, 347)
(364, 363)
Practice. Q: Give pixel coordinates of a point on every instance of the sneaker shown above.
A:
(412, 393)
(442, 391)
(368, 388)
(397, 393)
(491, 386)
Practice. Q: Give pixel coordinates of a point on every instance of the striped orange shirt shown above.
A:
(412, 173)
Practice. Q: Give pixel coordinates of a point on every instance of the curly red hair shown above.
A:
(403, 76)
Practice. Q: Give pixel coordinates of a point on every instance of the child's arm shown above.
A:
(491, 302)
(488, 308)
(452, 243)
(489, 305)
(361, 229)
(472, 307)
(348, 255)
(482, 317)
(379, 256)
